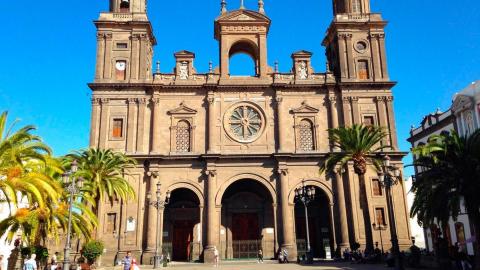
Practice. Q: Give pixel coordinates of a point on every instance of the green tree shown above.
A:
(449, 180)
(103, 173)
(360, 145)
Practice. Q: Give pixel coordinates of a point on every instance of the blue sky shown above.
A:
(48, 53)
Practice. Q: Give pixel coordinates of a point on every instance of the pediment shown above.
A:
(305, 108)
(182, 109)
(184, 53)
(461, 103)
(302, 53)
(243, 15)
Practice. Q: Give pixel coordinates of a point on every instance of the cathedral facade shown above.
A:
(230, 151)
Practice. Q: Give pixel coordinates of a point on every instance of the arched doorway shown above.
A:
(319, 223)
(182, 228)
(247, 221)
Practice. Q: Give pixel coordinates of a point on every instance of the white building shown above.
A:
(463, 117)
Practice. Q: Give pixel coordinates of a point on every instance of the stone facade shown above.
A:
(231, 150)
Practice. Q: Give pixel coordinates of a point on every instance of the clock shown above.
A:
(121, 65)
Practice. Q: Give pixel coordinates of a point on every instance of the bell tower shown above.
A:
(355, 43)
(124, 43)
(243, 31)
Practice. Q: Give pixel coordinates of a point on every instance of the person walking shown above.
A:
(134, 265)
(260, 256)
(31, 264)
(127, 261)
(285, 255)
(216, 256)
(463, 257)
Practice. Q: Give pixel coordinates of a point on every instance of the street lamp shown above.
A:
(380, 228)
(158, 204)
(72, 186)
(305, 195)
(388, 177)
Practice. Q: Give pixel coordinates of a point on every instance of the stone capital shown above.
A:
(332, 100)
(380, 98)
(96, 101)
(155, 101)
(108, 36)
(354, 99)
(132, 101)
(142, 101)
(345, 35)
(104, 100)
(211, 100)
(211, 173)
(346, 100)
(282, 171)
(389, 99)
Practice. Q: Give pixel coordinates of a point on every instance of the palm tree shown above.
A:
(358, 144)
(449, 180)
(103, 173)
(21, 153)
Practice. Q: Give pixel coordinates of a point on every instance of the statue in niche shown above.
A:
(183, 72)
(303, 71)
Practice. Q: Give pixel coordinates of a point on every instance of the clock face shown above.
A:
(121, 66)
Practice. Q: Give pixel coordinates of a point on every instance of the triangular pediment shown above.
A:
(184, 53)
(461, 103)
(243, 15)
(183, 109)
(305, 108)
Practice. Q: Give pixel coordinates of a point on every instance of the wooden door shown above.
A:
(245, 227)
(182, 240)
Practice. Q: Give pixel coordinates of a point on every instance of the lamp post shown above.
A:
(390, 176)
(73, 187)
(158, 204)
(305, 195)
(380, 228)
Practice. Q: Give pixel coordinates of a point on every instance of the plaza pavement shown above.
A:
(268, 265)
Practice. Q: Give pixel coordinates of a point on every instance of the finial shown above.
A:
(276, 66)
(210, 66)
(158, 67)
(224, 7)
(242, 5)
(261, 6)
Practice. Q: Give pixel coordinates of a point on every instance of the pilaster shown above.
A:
(131, 124)
(347, 112)
(391, 120)
(287, 219)
(100, 55)
(142, 106)
(355, 110)
(212, 125)
(104, 123)
(95, 122)
(156, 125)
(212, 229)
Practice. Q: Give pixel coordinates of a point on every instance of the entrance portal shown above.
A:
(320, 227)
(247, 221)
(181, 230)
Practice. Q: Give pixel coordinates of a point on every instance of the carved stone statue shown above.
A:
(302, 71)
(183, 72)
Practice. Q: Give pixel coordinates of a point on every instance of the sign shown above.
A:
(270, 230)
(328, 253)
(131, 224)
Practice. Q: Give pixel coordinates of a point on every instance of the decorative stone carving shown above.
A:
(282, 171)
(183, 70)
(244, 123)
(302, 72)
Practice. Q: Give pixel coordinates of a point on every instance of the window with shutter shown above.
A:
(183, 137)
(117, 131)
(305, 133)
(363, 73)
(380, 216)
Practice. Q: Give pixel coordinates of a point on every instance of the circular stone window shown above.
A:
(244, 122)
(361, 46)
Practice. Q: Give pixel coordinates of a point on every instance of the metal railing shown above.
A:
(247, 249)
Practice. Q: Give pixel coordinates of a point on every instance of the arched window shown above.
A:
(243, 59)
(125, 6)
(356, 6)
(183, 137)
(305, 133)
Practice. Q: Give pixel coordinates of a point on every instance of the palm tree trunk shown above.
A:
(366, 213)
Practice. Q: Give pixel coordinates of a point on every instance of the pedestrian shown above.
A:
(463, 258)
(260, 256)
(134, 265)
(285, 255)
(127, 261)
(1, 263)
(30, 264)
(216, 256)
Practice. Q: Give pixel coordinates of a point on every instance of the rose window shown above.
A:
(244, 123)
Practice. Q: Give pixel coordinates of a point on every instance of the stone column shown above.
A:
(287, 221)
(134, 62)
(156, 126)
(355, 111)
(282, 132)
(343, 55)
(102, 141)
(143, 57)
(95, 119)
(152, 213)
(132, 115)
(212, 127)
(375, 57)
(211, 216)
(142, 106)
(351, 63)
(107, 71)
(100, 55)
(347, 114)
(342, 241)
(391, 121)
(382, 116)
(383, 55)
